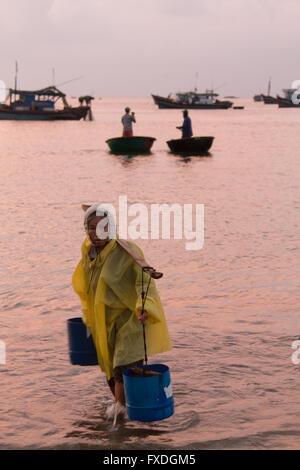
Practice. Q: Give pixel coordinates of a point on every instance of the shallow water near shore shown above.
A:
(232, 307)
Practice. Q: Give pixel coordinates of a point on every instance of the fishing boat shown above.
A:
(267, 99)
(130, 145)
(39, 105)
(191, 100)
(257, 98)
(191, 145)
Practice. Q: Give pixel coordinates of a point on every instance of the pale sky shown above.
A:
(139, 47)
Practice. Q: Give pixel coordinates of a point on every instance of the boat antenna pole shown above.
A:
(269, 86)
(16, 77)
(196, 82)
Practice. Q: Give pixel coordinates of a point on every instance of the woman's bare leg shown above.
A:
(119, 386)
(119, 393)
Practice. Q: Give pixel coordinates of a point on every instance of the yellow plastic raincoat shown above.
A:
(110, 289)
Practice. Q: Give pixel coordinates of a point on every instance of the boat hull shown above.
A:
(285, 103)
(133, 145)
(67, 114)
(191, 145)
(166, 103)
(269, 99)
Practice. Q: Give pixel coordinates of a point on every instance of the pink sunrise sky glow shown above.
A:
(139, 47)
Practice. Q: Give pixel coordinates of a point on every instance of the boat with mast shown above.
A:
(191, 100)
(268, 99)
(39, 105)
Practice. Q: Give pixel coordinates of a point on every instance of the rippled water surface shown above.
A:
(232, 307)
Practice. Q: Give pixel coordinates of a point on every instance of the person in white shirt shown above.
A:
(127, 121)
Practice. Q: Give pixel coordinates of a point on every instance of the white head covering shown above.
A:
(100, 210)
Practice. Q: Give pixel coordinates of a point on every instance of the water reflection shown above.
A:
(188, 157)
(97, 428)
(129, 158)
(131, 154)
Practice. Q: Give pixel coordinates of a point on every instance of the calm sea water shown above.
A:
(232, 308)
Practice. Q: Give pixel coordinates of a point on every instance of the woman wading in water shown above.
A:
(109, 284)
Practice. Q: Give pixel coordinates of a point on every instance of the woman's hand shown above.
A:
(142, 318)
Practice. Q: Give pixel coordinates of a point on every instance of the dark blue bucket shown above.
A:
(81, 348)
(149, 398)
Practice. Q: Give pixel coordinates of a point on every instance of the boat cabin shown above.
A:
(39, 100)
(288, 92)
(193, 97)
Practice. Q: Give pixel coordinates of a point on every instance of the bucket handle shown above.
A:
(144, 297)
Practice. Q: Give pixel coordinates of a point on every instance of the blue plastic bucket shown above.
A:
(81, 348)
(149, 398)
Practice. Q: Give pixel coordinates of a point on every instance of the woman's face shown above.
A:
(92, 232)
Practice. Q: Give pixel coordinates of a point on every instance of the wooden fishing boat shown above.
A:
(130, 145)
(39, 105)
(191, 100)
(191, 145)
(286, 103)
